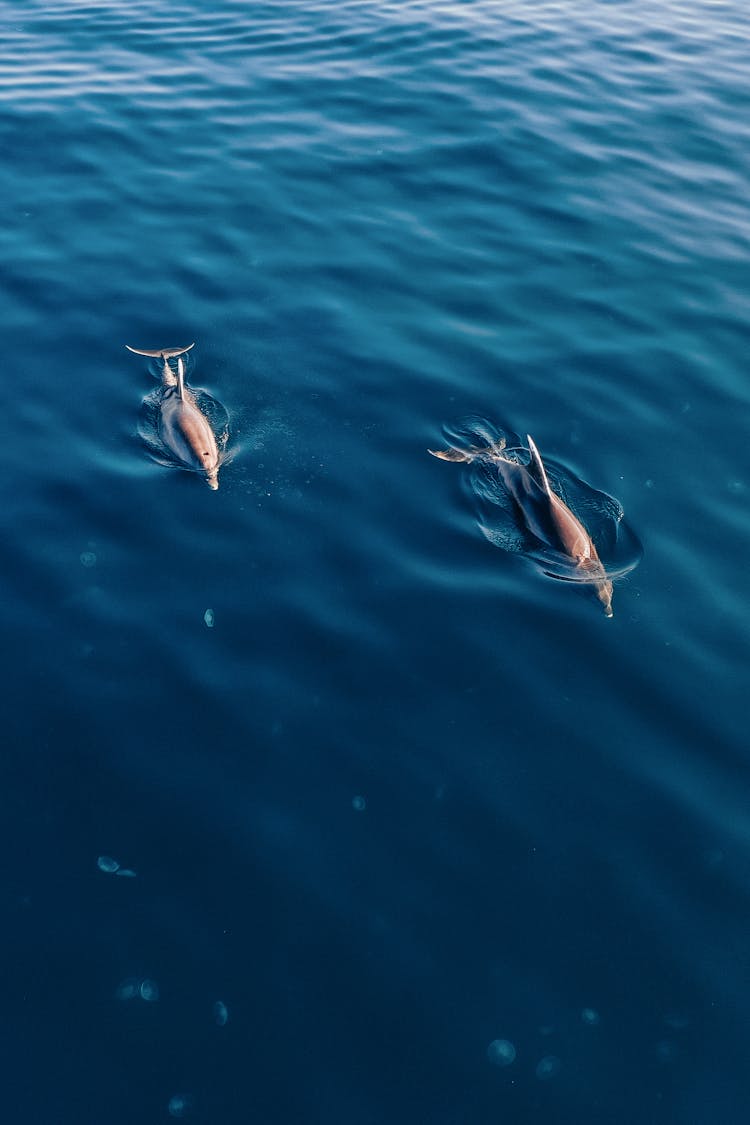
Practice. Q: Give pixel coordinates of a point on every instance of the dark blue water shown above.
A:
(444, 844)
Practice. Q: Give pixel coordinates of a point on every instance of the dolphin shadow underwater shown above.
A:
(529, 509)
(179, 425)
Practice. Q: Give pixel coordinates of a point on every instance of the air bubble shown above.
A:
(359, 804)
(221, 1014)
(88, 558)
(107, 864)
(666, 1050)
(590, 1016)
(149, 991)
(548, 1067)
(179, 1105)
(501, 1052)
(128, 989)
(209, 618)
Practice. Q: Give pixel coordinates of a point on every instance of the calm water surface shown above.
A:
(418, 836)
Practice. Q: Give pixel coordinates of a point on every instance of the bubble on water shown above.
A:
(548, 1067)
(128, 989)
(221, 1014)
(359, 804)
(209, 618)
(179, 1105)
(149, 991)
(590, 1016)
(501, 1052)
(88, 558)
(106, 863)
(649, 483)
(126, 873)
(666, 1050)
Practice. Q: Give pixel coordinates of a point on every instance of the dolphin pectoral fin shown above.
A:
(161, 353)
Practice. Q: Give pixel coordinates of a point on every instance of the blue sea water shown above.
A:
(410, 833)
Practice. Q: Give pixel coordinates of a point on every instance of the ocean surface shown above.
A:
(317, 805)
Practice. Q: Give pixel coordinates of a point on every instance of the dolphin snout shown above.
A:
(604, 593)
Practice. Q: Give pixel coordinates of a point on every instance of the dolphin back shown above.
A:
(532, 501)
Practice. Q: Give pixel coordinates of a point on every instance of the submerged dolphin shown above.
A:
(545, 515)
(183, 428)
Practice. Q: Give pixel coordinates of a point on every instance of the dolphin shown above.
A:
(545, 515)
(183, 427)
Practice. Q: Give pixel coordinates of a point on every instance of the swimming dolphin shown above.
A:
(183, 427)
(545, 515)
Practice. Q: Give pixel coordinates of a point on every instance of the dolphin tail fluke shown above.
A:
(161, 353)
(452, 454)
(491, 452)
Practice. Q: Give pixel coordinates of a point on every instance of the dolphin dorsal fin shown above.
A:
(536, 467)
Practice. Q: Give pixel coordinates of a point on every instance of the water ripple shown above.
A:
(372, 217)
